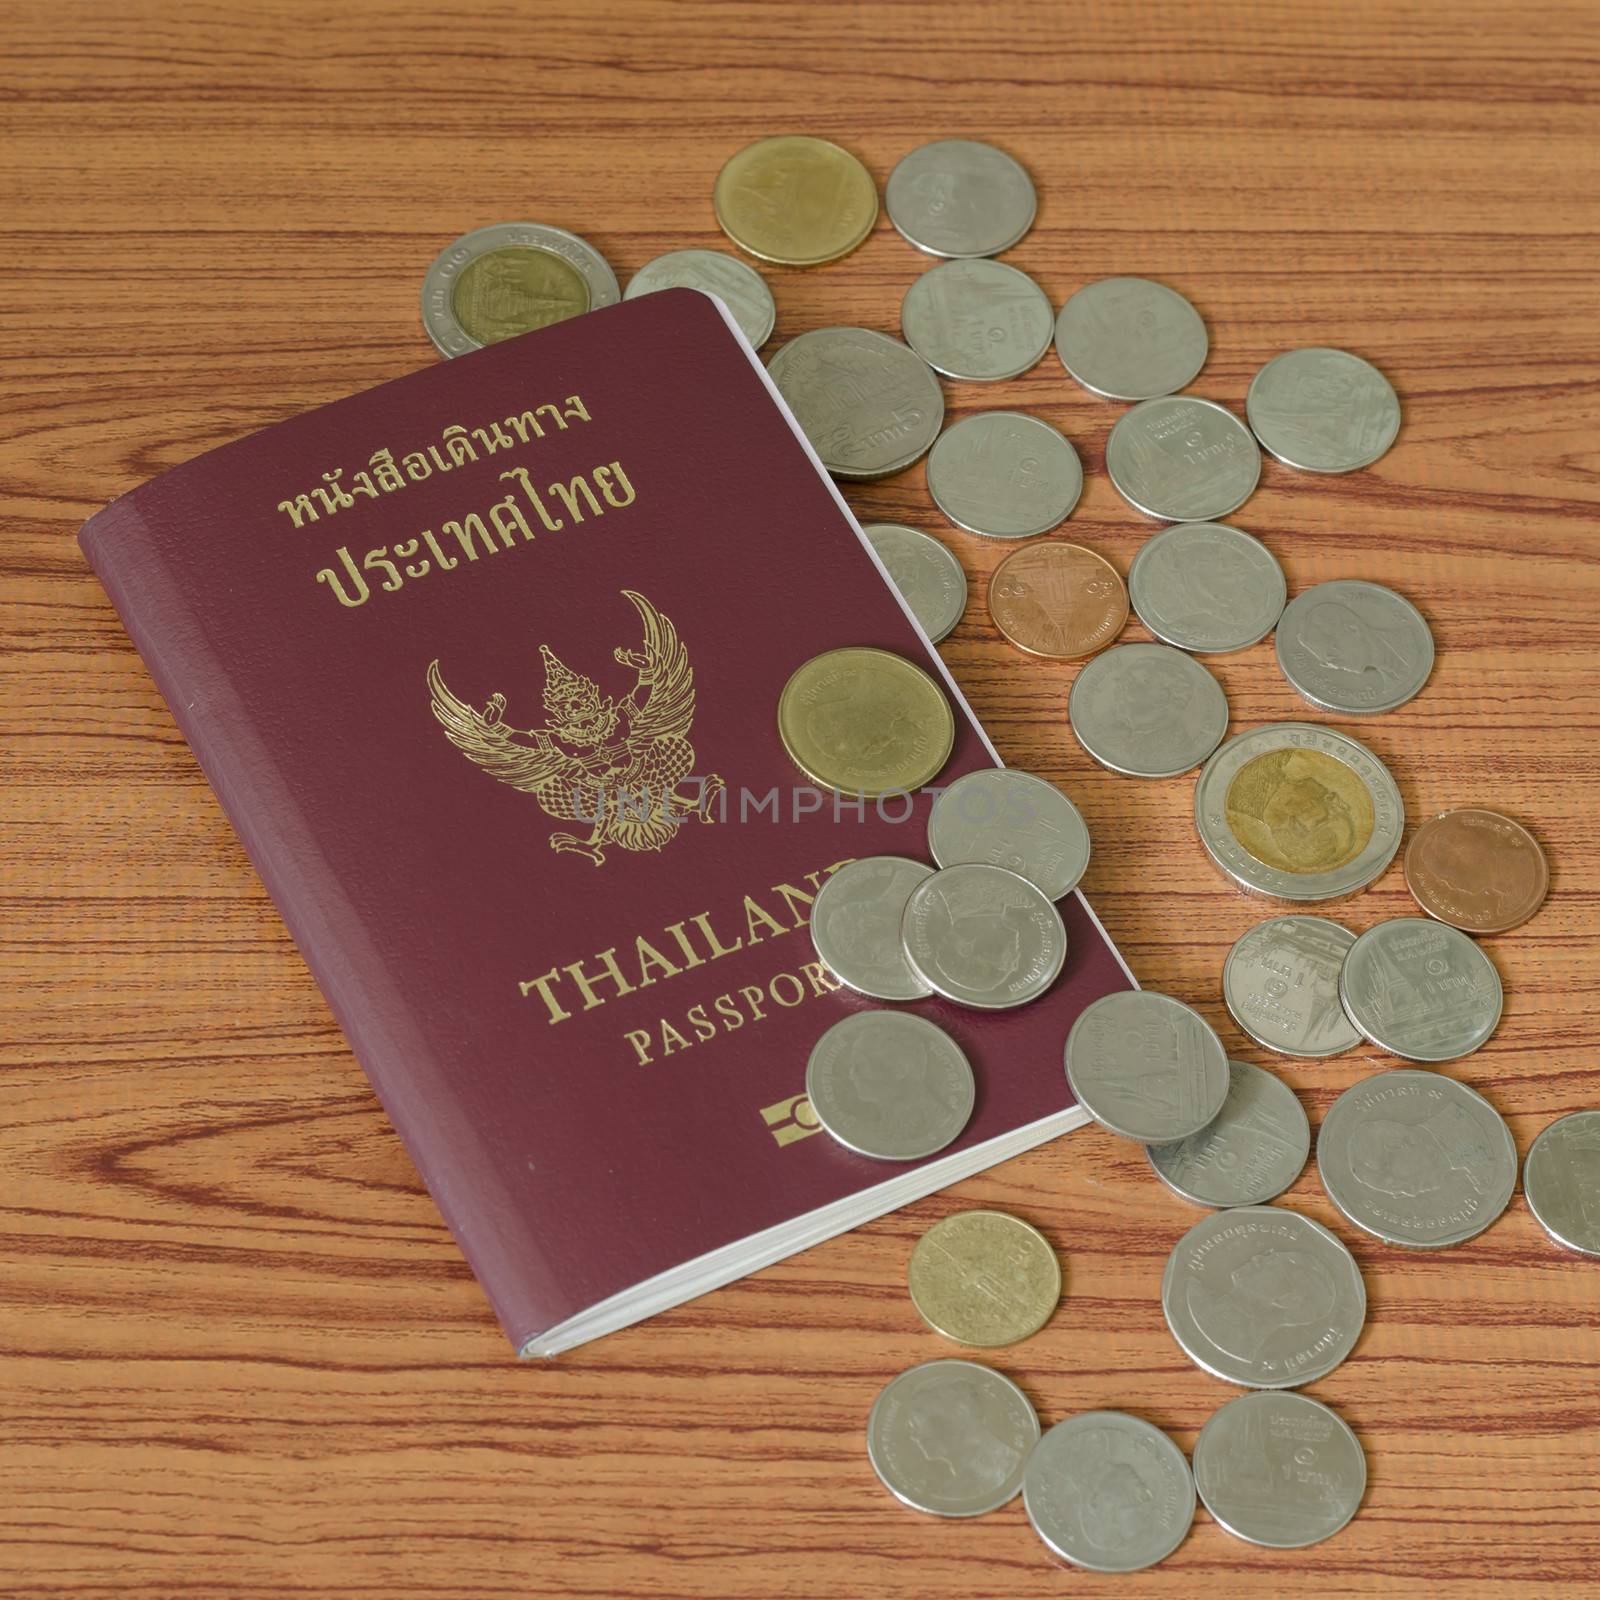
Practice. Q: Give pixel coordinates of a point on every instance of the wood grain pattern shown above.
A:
(242, 1357)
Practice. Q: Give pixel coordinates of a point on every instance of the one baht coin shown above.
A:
(1130, 339)
(734, 282)
(978, 320)
(1281, 983)
(1207, 587)
(1323, 410)
(1057, 599)
(1477, 870)
(1147, 710)
(984, 1278)
(865, 721)
(795, 200)
(855, 925)
(1298, 812)
(959, 197)
(1004, 474)
(511, 278)
(926, 574)
(1182, 459)
(1014, 820)
(1354, 647)
(1561, 1179)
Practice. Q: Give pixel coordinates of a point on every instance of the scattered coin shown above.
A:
(510, 278)
(1263, 1297)
(984, 1278)
(1354, 647)
(795, 200)
(1323, 410)
(1014, 820)
(1561, 1179)
(1147, 710)
(855, 925)
(890, 1085)
(1279, 1469)
(1182, 459)
(1004, 474)
(1420, 989)
(1281, 983)
(1416, 1158)
(983, 937)
(734, 282)
(1477, 870)
(1207, 587)
(1109, 1492)
(1130, 339)
(1249, 1153)
(1146, 1066)
(926, 573)
(957, 197)
(868, 405)
(1298, 812)
(1057, 599)
(865, 722)
(978, 319)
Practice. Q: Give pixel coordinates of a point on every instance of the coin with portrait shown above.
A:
(1147, 710)
(1477, 870)
(925, 572)
(984, 1278)
(1354, 647)
(1207, 587)
(855, 925)
(1561, 1179)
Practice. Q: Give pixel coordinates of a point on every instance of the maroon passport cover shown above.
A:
(592, 1044)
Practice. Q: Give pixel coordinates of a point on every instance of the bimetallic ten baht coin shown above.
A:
(1354, 647)
(1263, 1297)
(980, 320)
(1561, 1179)
(1421, 989)
(1014, 820)
(1147, 710)
(1207, 587)
(1279, 1469)
(865, 721)
(511, 278)
(1298, 812)
(1182, 459)
(959, 197)
(983, 937)
(1130, 339)
(1004, 474)
(1249, 1153)
(855, 925)
(795, 200)
(1416, 1158)
(1146, 1066)
(734, 282)
(1057, 599)
(951, 1438)
(984, 1278)
(926, 573)
(1323, 410)
(1477, 870)
(890, 1085)
(1281, 984)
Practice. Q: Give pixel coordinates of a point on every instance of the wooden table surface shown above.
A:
(242, 1356)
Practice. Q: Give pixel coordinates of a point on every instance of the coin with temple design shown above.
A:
(984, 1278)
(1323, 410)
(1057, 599)
(1561, 1179)
(796, 200)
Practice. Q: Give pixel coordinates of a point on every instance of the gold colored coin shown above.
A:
(1300, 811)
(516, 289)
(984, 1278)
(865, 722)
(795, 200)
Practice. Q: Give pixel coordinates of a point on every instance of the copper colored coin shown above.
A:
(1476, 870)
(1052, 598)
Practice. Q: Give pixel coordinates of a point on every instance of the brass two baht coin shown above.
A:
(795, 200)
(984, 1278)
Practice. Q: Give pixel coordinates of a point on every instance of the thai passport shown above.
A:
(413, 638)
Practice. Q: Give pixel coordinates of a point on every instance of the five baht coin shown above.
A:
(1182, 459)
(984, 1278)
(1207, 587)
(1561, 1179)
(734, 282)
(1147, 710)
(1477, 870)
(1130, 339)
(1263, 1297)
(795, 200)
(1004, 474)
(511, 278)
(983, 937)
(1057, 599)
(865, 721)
(959, 197)
(980, 320)
(1323, 410)
(855, 925)
(890, 1085)
(1416, 1158)
(1354, 647)
(1281, 984)
(868, 405)
(1014, 820)
(951, 1438)
(1298, 812)
(1421, 989)
(925, 572)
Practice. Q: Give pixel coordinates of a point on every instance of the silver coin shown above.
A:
(868, 405)
(1146, 1066)
(1354, 647)
(1279, 1469)
(1561, 1179)
(1131, 339)
(1421, 989)
(734, 282)
(1004, 474)
(1250, 1152)
(983, 937)
(1182, 459)
(1323, 410)
(925, 571)
(1416, 1158)
(1109, 1492)
(1014, 820)
(855, 925)
(1147, 710)
(1298, 812)
(957, 197)
(1207, 587)
(1281, 983)
(1263, 1297)
(980, 320)
(533, 266)
(889, 1084)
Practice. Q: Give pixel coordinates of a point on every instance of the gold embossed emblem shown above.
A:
(515, 289)
(1300, 811)
(795, 200)
(984, 1278)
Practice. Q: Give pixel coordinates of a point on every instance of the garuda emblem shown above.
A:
(615, 764)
